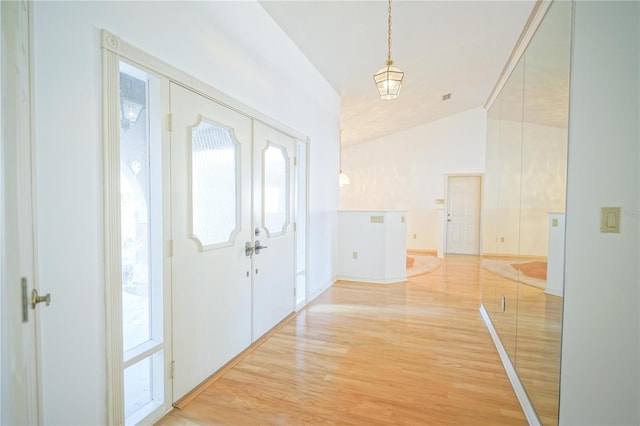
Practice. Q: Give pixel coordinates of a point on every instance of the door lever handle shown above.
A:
(258, 247)
(248, 249)
(35, 299)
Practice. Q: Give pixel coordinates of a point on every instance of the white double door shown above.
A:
(231, 190)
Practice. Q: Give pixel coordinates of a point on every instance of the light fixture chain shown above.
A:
(389, 35)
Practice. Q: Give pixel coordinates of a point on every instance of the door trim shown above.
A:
(114, 50)
(305, 215)
(25, 195)
(443, 216)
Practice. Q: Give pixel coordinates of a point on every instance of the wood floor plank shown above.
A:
(414, 353)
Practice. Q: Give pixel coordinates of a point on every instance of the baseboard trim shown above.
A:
(513, 257)
(423, 252)
(394, 280)
(521, 394)
(553, 292)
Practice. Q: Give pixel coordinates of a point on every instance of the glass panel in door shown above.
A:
(214, 164)
(275, 189)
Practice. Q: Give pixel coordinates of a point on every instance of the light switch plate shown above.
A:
(610, 220)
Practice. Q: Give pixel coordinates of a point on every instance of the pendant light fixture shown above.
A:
(389, 78)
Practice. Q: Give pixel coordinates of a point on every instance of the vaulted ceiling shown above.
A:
(457, 47)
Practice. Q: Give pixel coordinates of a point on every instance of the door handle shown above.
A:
(35, 299)
(248, 249)
(258, 247)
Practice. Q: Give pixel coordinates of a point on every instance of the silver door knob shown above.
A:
(248, 249)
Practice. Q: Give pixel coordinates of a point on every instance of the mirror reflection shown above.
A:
(524, 210)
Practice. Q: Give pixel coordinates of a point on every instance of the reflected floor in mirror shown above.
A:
(531, 338)
(410, 353)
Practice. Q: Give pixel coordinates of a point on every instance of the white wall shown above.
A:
(600, 377)
(234, 46)
(372, 250)
(405, 171)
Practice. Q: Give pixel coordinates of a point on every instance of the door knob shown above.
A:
(35, 298)
(258, 247)
(248, 249)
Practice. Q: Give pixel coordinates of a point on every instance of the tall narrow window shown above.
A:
(141, 244)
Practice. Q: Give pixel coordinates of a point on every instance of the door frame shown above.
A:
(114, 50)
(297, 217)
(19, 259)
(442, 246)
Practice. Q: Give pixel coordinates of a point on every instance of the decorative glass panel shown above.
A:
(214, 184)
(135, 212)
(275, 189)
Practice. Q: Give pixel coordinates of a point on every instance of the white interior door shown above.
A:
(463, 214)
(19, 371)
(273, 266)
(211, 222)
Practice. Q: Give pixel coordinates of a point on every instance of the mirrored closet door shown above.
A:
(524, 206)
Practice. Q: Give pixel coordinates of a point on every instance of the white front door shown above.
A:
(211, 222)
(18, 369)
(463, 214)
(273, 266)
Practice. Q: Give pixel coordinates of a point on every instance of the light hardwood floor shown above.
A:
(415, 353)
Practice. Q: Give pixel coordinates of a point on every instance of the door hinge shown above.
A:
(173, 369)
(170, 248)
(295, 161)
(170, 122)
(295, 227)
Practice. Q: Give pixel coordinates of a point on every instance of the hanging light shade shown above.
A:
(344, 179)
(389, 81)
(389, 78)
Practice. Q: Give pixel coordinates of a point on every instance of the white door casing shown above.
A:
(463, 214)
(19, 389)
(273, 214)
(211, 280)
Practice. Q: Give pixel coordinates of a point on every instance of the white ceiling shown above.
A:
(457, 47)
